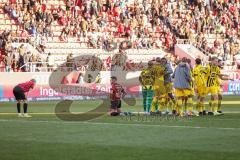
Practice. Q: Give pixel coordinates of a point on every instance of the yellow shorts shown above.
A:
(183, 92)
(201, 91)
(169, 87)
(212, 90)
(159, 91)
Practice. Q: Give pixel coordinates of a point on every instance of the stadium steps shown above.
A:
(189, 51)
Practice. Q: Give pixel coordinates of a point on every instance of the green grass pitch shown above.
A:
(46, 137)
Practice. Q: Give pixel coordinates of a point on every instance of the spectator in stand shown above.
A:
(70, 62)
(147, 23)
(50, 62)
(8, 62)
(65, 32)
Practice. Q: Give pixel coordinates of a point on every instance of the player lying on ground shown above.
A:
(116, 94)
(19, 94)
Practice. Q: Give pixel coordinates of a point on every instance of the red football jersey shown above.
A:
(26, 86)
(116, 91)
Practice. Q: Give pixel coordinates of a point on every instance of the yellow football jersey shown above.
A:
(158, 86)
(198, 74)
(158, 72)
(211, 75)
(147, 77)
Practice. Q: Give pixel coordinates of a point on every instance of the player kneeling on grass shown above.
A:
(116, 94)
(19, 94)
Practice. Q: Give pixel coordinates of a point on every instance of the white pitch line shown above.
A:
(52, 113)
(119, 124)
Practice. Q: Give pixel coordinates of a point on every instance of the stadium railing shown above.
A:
(45, 67)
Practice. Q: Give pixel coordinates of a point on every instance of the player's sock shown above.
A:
(149, 103)
(170, 105)
(180, 106)
(154, 103)
(190, 105)
(19, 107)
(219, 104)
(185, 106)
(25, 106)
(172, 102)
(198, 106)
(161, 103)
(201, 106)
(149, 100)
(165, 102)
(144, 105)
(215, 105)
(210, 106)
(174, 106)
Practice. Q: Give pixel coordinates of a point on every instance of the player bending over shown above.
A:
(19, 93)
(182, 85)
(146, 79)
(116, 94)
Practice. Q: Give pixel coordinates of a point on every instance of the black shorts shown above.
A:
(115, 104)
(18, 93)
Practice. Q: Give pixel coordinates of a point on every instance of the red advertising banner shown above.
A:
(73, 85)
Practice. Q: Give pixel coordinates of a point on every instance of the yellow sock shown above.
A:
(161, 104)
(180, 106)
(215, 105)
(198, 106)
(154, 103)
(166, 104)
(170, 105)
(190, 104)
(210, 106)
(174, 104)
(219, 104)
(201, 106)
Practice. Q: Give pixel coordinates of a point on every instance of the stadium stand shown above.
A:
(61, 27)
